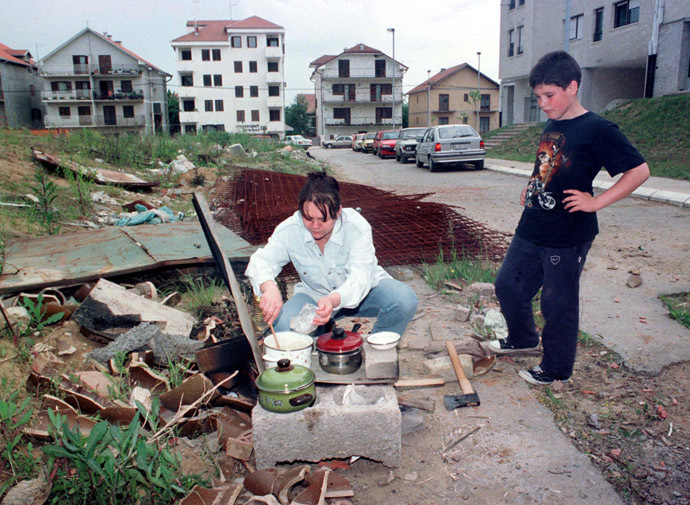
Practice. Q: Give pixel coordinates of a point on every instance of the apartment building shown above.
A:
(358, 90)
(20, 89)
(448, 98)
(93, 81)
(627, 49)
(231, 76)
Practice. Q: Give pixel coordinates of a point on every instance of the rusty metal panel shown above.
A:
(63, 260)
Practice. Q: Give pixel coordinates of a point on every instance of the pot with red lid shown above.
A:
(340, 351)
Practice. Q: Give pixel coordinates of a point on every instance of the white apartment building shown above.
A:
(626, 49)
(357, 91)
(231, 76)
(93, 81)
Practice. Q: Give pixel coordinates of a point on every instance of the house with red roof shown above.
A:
(357, 91)
(448, 97)
(230, 76)
(93, 81)
(20, 89)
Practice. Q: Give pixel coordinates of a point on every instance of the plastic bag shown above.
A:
(495, 324)
(304, 321)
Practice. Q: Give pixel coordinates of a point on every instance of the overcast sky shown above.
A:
(429, 35)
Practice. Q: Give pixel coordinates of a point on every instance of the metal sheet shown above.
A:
(63, 260)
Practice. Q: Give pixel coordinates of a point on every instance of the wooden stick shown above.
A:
(275, 337)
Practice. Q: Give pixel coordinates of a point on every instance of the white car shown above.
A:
(339, 141)
(297, 140)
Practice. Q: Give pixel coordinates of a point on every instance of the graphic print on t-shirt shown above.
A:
(550, 160)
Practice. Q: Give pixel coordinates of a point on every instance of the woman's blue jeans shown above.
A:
(392, 302)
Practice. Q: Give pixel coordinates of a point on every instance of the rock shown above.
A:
(477, 320)
(462, 313)
(17, 315)
(483, 289)
(28, 492)
(236, 149)
(181, 165)
(593, 421)
(401, 273)
(410, 477)
(634, 281)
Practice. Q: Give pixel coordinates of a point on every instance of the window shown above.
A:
(188, 105)
(240, 116)
(484, 124)
(236, 41)
(190, 128)
(32, 89)
(464, 119)
(626, 13)
(443, 120)
(251, 41)
(239, 91)
(274, 115)
(187, 80)
(380, 68)
(485, 102)
(217, 80)
(186, 54)
(350, 92)
(238, 67)
(343, 68)
(338, 89)
(255, 116)
(274, 91)
(219, 106)
(576, 25)
(64, 111)
(216, 54)
(466, 97)
(521, 2)
(598, 24)
(156, 108)
(61, 86)
(520, 48)
(272, 41)
(205, 55)
(443, 102)
(254, 91)
(208, 105)
(383, 113)
(273, 66)
(511, 4)
(207, 79)
(252, 67)
(128, 111)
(126, 86)
(511, 42)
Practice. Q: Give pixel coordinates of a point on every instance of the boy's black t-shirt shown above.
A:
(571, 153)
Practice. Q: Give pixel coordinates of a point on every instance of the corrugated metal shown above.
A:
(64, 260)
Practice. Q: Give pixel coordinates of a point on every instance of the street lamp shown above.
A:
(428, 98)
(392, 30)
(479, 95)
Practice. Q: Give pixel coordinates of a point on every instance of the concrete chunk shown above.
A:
(330, 429)
(380, 364)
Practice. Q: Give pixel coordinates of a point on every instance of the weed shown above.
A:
(24, 348)
(177, 371)
(678, 306)
(470, 270)
(120, 388)
(199, 293)
(13, 417)
(551, 400)
(37, 313)
(46, 192)
(587, 340)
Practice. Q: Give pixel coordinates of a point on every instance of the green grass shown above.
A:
(467, 269)
(678, 306)
(657, 126)
(200, 293)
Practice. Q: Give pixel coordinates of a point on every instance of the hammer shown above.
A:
(468, 398)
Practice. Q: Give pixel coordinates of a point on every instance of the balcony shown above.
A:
(274, 101)
(359, 73)
(53, 121)
(273, 53)
(89, 68)
(132, 96)
(69, 95)
(361, 121)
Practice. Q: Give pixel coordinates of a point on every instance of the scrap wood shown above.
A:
(410, 400)
(453, 285)
(459, 438)
(220, 495)
(409, 382)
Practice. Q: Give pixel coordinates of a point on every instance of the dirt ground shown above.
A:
(631, 431)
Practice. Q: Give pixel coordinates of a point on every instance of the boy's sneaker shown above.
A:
(501, 346)
(536, 376)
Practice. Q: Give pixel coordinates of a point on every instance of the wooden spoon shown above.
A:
(275, 337)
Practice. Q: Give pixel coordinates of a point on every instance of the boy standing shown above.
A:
(559, 221)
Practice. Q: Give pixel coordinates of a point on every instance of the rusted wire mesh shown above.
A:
(406, 230)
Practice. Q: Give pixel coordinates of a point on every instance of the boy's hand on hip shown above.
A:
(579, 201)
(523, 195)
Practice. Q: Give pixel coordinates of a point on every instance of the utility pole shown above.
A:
(392, 30)
(428, 99)
(479, 93)
(566, 27)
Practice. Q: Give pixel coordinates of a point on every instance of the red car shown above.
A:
(384, 143)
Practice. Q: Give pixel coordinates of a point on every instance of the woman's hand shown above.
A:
(324, 308)
(271, 301)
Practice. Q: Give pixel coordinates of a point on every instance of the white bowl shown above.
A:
(383, 340)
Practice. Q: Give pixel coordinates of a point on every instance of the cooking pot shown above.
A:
(294, 346)
(286, 388)
(340, 351)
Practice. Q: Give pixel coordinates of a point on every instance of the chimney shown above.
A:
(443, 70)
(361, 47)
(118, 42)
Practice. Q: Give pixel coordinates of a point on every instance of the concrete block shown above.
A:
(672, 197)
(330, 429)
(483, 289)
(462, 313)
(443, 332)
(380, 364)
(442, 366)
(401, 273)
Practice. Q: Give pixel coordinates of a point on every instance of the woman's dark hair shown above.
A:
(558, 68)
(323, 191)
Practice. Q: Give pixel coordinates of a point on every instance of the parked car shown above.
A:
(297, 140)
(406, 146)
(339, 141)
(384, 143)
(450, 144)
(368, 142)
(357, 141)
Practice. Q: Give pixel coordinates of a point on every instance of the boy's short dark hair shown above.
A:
(323, 191)
(558, 68)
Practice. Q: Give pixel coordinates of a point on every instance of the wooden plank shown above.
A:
(70, 259)
(424, 382)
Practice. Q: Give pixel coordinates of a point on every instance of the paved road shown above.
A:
(635, 234)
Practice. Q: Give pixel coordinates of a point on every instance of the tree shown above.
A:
(405, 115)
(173, 112)
(296, 116)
